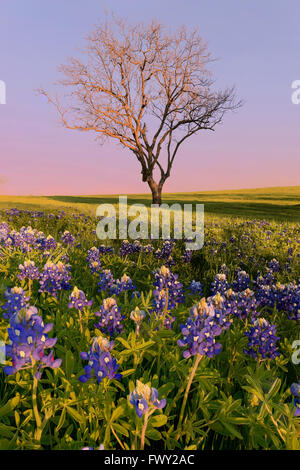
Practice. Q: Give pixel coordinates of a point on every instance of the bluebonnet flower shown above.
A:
(147, 248)
(100, 361)
(219, 284)
(45, 243)
(110, 321)
(218, 306)
(123, 284)
(167, 295)
(285, 297)
(4, 231)
(137, 316)
(274, 265)
(29, 271)
(67, 238)
(241, 282)
(166, 251)
(105, 250)
(224, 269)
(145, 399)
(15, 240)
(29, 340)
(114, 286)
(170, 262)
(166, 281)
(55, 277)
(196, 288)
(26, 238)
(247, 304)
(93, 258)
(161, 312)
(200, 331)
(78, 300)
(28, 235)
(239, 304)
(50, 243)
(187, 256)
(107, 280)
(262, 340)
(15, 301)
(295, 391)
(290, 251)
(128, 248)
(291, 302)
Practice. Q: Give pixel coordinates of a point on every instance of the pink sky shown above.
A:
(255, 147)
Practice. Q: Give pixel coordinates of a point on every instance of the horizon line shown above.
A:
(149, 193)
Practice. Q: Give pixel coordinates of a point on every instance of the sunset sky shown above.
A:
(257, 45)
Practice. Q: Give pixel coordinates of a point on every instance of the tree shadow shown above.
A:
(242, 208)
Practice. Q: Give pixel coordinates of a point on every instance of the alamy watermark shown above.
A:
(295, 97)
(2, 352)
(296, 353)
(2, 92)
(137, 221)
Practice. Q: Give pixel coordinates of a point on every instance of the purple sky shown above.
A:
(257, 43)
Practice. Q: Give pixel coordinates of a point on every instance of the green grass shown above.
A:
(278, 203)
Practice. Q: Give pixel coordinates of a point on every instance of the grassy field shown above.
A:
(278, 203)
(211, 332)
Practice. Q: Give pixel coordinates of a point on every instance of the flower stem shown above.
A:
(80, 322)
(144, 430)
(39, 427)
(165, 308)
(186, 393)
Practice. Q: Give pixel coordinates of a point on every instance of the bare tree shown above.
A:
(146, 88)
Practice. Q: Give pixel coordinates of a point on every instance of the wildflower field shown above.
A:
(144, 345)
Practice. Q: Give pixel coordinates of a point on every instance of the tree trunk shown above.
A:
(156, 191)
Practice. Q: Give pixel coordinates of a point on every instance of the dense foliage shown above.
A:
(131, 345)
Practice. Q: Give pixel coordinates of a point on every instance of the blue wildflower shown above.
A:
(78, 300)
(28, 340)
(100, 361)
(295, 391)
(15, 301)
(200, 331)
(262, 340)
(29, 271)
(67, 238)
(145, 399)
(110, 318)
(55, 277)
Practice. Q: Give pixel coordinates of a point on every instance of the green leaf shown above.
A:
(117, 413)
(153, 434)
(165, 333)
(232, 429)
(62, 420)
(9, 406)
(125, 373)
(69, 367)
(17, 418)
(274, 389)
(120, 429)
(124, 342)
(6, 431)
(4, 444)
(159, 420)
(76, 415)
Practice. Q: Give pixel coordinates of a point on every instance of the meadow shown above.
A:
(144, 345)
(277, 203)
